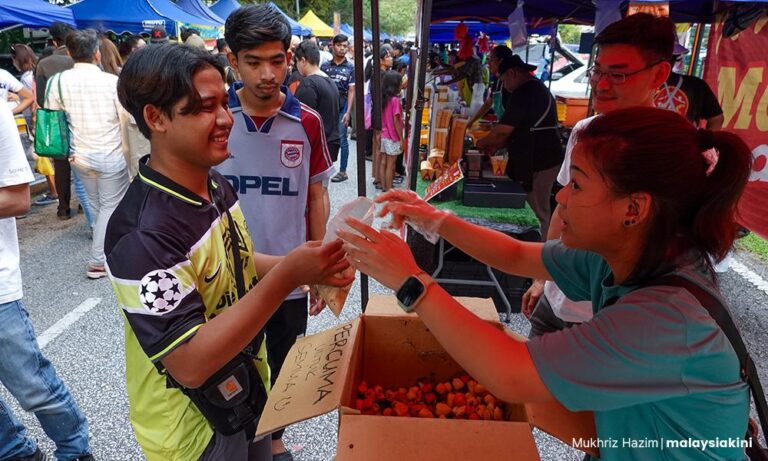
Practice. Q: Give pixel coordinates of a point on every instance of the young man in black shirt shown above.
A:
(342, 72)
(319, 92)
(529, 131)
(690, 97)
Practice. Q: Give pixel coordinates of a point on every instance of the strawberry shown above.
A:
(425, 413)
(442, 410)
(458, 384)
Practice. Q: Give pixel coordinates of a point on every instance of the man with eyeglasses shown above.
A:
(633, 60)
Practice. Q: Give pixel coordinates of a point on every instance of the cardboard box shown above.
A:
(388, 347)
(571, 110)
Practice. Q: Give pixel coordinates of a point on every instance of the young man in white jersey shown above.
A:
(278, 162)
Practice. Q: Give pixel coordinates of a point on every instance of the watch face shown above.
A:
(411, 290)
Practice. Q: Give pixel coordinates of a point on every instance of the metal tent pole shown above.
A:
(357, 10)
(422, 45)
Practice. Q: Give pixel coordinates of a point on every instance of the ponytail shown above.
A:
(714, 224)
(695, 178)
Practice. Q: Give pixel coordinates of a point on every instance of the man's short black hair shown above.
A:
(162, 76)
(59, 31)
(251, 26)
(502, 52)
(653, 36)
(340, 38)
(398, 46)
(309, 51)
(221, 44)
(83, 45)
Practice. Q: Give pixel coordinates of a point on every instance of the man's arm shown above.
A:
(350, 102)
(483, 110)
(496, 138)
(14, 200)
(316, 211)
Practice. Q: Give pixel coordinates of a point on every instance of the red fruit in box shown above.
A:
(413, 394)
(441, 389)
(401, 395)
(498, 414)
(442, 409)
(425, 413)
(389, 394)
(480, 389)
(489, 399)
(450, 399)
(387, 412)
(426, 387)
(359, 404)
(430, 398)
(459, 411)
(460, 399)
(362, 387)
(401, 409)
(458, 384)
(473, 416)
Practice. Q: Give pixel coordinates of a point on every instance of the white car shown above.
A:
(574, 84)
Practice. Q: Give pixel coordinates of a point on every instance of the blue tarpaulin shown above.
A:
(32, 13)
(443, 32)
(350, 31)
(134, 16)
(197, 8)
(571, 11)
(224, 8)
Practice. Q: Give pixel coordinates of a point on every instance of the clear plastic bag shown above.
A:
(362, 209)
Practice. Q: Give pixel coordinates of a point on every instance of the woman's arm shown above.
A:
(486, 245)
(475, 344)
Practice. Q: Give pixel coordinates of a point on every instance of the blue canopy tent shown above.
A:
(296, 28)
(223, 8)
(443, 32)
(32, 13)
(197, 8)
(350, 32)
(134, 16)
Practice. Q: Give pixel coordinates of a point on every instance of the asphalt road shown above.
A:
(89, 353)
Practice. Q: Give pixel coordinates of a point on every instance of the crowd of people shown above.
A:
(179, 154)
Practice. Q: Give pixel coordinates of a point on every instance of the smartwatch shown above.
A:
(413, 290)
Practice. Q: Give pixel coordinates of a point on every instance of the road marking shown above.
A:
(67, 321)
(750, 276)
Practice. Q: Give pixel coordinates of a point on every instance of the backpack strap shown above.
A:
(717, 310)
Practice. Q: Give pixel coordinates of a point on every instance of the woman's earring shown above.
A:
(629, 222)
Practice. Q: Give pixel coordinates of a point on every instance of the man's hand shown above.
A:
(345, 119)
(316, 303)
(314, 263)
(531, 297)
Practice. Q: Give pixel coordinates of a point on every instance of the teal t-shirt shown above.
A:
(661, 377)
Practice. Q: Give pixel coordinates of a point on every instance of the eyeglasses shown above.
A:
(615, 78)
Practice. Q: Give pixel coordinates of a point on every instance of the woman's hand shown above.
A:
(382, 255)
(314, 263)
(531, 297)
(405, 205)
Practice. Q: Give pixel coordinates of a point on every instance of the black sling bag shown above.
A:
(717, 310)
(233, 399)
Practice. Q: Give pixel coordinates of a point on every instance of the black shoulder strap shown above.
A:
(714, 305)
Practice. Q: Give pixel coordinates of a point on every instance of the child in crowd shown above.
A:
(391, 126)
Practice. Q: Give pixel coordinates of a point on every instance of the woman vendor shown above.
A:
(650, 195)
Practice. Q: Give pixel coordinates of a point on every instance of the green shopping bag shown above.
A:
(52, 129)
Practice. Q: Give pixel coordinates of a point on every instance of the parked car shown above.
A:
(574, 84)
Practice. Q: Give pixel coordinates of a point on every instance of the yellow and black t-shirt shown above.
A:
(170, 260)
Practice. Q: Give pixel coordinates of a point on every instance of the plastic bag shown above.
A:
(362, 209)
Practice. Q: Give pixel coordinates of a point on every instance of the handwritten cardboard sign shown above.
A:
(312, 380)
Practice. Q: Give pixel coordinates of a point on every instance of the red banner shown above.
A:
(450, 177)
(737, 69)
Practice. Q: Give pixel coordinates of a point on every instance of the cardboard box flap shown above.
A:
(314, 379)
(386, 306)
(568, 426)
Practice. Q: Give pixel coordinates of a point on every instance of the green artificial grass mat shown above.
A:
(755, 245)
(519, 216)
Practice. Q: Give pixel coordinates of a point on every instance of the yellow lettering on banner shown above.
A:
(761, 114)
(738, 99)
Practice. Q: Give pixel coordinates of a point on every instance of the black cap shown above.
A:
(515, 62)
(158, 35)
